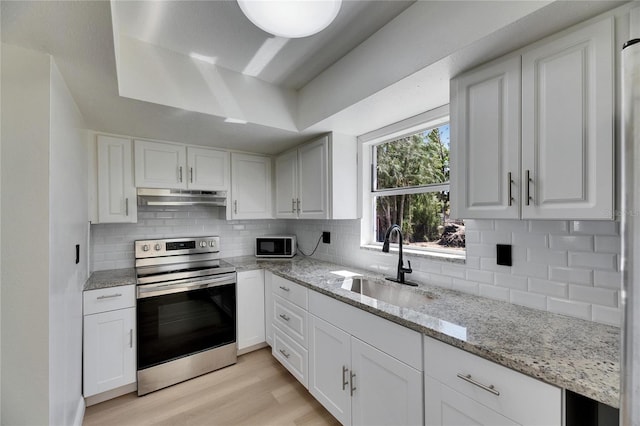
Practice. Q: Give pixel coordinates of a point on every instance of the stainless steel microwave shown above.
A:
(276, 246)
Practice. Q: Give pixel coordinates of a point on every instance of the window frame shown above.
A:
(366, 145)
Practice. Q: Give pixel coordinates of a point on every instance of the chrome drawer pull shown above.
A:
(509, 183)
(345, 382)
(131, 338)
(352, 376)
(109, 296)
(286, 355)
(284, 288)
(284, 317)
(468, 378)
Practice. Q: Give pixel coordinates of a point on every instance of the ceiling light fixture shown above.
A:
(291, 18)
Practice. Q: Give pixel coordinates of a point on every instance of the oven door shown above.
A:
(180, 319)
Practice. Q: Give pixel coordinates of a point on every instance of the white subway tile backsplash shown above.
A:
(606, 261)
(531, 300)
(571, 275)
(605, 315)
(599, 296)
(496, 237)
(527, 269)
(454, 271)
(481, 250)
(479, 225)
(608, 279)
(511, 281)
(490, 264)
(548, 288)
(480, 276)
(549, 226)
(571, 242)
(471, 237)
(494, 292)
(593, 227)
(608, 244)
(510, 225)
(569, 307)
(464, 286)
(547, 257)
(530, 240)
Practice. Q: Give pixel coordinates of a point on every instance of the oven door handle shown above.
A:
(151, 290)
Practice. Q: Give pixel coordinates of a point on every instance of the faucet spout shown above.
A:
(401, 269)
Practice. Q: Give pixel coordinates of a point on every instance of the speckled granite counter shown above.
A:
(110, 278)
(581, 356)
(574, 354)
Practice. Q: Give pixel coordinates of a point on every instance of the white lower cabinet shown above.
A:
(464, 389)
(109, 347)
(356, 382)
(250, 301)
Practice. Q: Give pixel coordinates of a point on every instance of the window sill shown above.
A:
(431, 255)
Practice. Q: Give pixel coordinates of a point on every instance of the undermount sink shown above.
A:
(403, 297)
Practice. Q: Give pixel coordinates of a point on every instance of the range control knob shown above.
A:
(158, 247)
(145, 247)
(203, 244)
(212, 243)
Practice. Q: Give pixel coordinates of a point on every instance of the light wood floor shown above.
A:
(255, 391)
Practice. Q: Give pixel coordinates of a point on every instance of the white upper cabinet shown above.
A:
(250, 187)
(485, 108)
(567, 126)
(208, 169)
(318, 180)
(532, 135)
(160, 165)
(176, 166)
(116, 190)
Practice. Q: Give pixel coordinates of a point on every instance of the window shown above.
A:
(409, 177)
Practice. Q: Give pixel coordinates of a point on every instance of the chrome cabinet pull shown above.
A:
(293, 205)
(126, 207)
(131, 338)
(284, 317)
(180, 173)
(509, 183)
(529, 180)
(489, 388)
(345, 382)
(285, 288)
(285, 354)
(298, 203)
(235, 206)
(109, 296)
(352, 376)
(191, 174)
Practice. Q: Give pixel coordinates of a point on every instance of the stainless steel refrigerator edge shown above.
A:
(630, 214)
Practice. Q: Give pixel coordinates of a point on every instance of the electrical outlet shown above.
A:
(326, 237)
(503, 254)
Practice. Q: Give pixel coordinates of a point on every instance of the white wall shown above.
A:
(566, 267)
(68, 227)
(25, 230)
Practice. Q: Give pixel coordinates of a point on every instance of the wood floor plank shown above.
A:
(255, 391)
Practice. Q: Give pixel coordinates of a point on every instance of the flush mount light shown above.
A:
(291, 18)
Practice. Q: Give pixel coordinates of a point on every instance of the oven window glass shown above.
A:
(175, 325)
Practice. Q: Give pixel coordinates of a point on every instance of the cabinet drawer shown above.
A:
(291, 319)
(290, 291)
(290, 354)
(109, 299)
(521, 398)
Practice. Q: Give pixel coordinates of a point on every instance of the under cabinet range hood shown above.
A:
(181, 197)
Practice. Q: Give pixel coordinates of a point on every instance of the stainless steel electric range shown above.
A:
(186, 310)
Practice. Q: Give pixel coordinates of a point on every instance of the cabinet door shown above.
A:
(287, 185)
(268, 307)
(251, 318)
(250, 187)
(329, 368)
(109, 350)
(485, 142)
(116, 191)
(567, 126)
(208, 169)
(386, 391)
(446, 407)
(160, 165)
(313, 177)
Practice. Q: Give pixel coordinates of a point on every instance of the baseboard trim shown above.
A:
(110, 394)
(252, 348)
(79, 417)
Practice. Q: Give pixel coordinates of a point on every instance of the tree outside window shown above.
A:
(411, 188)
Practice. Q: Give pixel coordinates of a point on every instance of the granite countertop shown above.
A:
(110, 278)
(578, 355)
